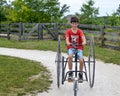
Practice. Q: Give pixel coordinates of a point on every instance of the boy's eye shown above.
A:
(74, 23)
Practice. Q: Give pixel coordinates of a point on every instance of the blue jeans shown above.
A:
(79, 53)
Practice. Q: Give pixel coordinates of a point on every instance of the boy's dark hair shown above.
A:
(74, 19)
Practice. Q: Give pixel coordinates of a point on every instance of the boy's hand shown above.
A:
(83, 43)
(68, 44)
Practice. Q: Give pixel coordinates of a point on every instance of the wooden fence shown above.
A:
(108, 36)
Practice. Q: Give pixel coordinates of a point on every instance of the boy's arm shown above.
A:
(67, 41)
(83, 40)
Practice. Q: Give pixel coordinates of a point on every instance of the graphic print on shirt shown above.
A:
(74, 39)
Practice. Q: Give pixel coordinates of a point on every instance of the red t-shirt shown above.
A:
(75, 38)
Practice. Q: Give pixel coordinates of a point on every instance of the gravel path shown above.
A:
(107, 81)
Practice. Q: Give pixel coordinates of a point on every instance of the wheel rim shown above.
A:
(58, 61)
(91, 63)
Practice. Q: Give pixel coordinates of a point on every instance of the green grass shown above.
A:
(108, 55)
(16, 74)
(40, 45)
(104, 54)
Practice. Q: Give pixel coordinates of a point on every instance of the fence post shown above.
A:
(40, 32)
(102, 36)
(0, 28)
(56, 31)
(23, 31)
(8, 31)
(20, 31)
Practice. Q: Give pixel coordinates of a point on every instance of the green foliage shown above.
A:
(3, 4)
(36, 11)
(115, 18)
(118, 11)
(88, 13)
(50, 11)
(112, 20)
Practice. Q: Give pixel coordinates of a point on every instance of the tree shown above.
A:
(3, 4)
(88, 13)
(60, 13)
(115, 18)
(118, 11)
(36, 11)
(118, 15)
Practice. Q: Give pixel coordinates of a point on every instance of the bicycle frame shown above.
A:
(75, 82)
(76, 67)
(90, 62)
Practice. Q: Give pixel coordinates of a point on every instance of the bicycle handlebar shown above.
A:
(75, 45)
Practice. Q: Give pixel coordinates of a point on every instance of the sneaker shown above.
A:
(80, 79)
(70, 77)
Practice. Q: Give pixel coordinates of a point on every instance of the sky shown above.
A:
(105, 6)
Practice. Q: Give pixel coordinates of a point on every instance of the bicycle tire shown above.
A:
(75, 87)
(58, 60)
(91, 62)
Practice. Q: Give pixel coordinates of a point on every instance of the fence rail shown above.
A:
(104, 35)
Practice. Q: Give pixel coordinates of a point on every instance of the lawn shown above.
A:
(17, 77)
(104, 54)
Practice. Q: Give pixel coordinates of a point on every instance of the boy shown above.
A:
(76, 36)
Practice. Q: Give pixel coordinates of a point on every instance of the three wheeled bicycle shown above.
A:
(89, 66)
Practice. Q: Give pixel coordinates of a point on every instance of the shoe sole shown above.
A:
(69, 80)
(80, 81)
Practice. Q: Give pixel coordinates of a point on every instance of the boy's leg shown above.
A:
(81, 64)
(70, 56)
(81, 61)
(70, 61)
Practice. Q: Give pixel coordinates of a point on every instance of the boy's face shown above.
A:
(74, 24)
